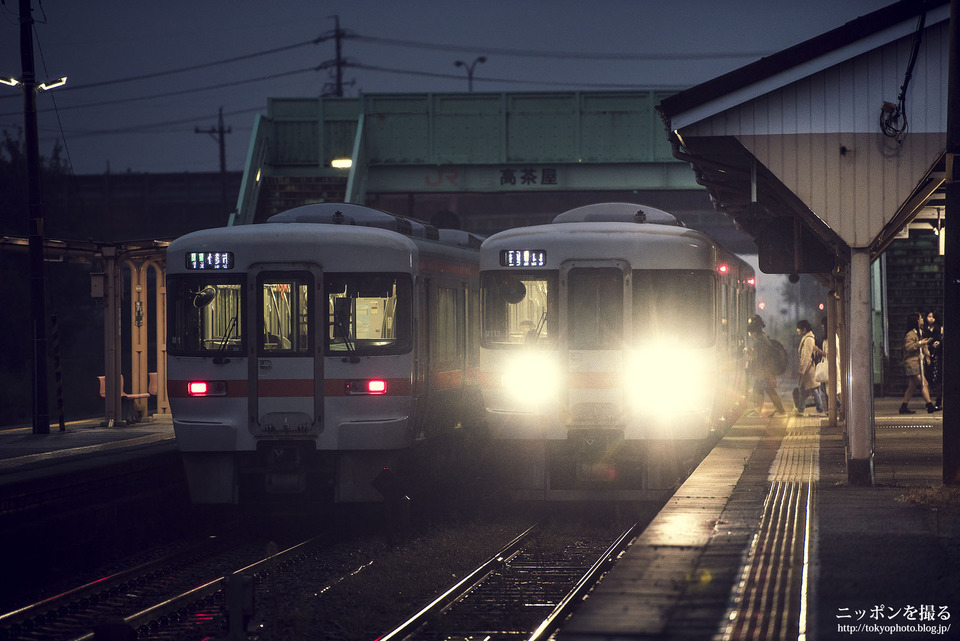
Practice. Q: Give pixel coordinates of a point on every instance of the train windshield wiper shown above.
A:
(219, 359)
(540, 325)
(351, 349)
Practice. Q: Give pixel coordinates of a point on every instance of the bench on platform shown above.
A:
(128, 408)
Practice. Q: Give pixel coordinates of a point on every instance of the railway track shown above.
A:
(183, 590)
(525, 590)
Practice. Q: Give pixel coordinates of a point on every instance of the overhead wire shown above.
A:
(563, 55)
(551, 83)
(349, 63)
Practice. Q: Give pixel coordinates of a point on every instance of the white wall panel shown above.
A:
(797, 131)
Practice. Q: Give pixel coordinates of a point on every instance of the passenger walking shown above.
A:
(914, 354)
(934, 361)
(759, 363)
(822, 366)
(806, 370)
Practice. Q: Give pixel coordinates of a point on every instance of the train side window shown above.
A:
(286, 314)
(205, 315)
(443, 337)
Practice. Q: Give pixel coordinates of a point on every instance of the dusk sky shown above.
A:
(144, 76)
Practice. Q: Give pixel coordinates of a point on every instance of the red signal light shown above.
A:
(723, 268)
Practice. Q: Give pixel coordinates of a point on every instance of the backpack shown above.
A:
(778, 357)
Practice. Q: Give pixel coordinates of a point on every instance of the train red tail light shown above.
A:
(206, 388)
(368, 387)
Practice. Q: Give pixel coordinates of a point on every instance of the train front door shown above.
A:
(595, 297)
(288, 394)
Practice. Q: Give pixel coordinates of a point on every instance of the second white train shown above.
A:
(610, 348)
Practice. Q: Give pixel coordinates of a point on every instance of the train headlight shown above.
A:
(531, 378)
(671, 379)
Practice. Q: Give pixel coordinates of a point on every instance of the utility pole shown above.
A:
(41, 416)
(338, 90)
(951, 258)
(218, 135)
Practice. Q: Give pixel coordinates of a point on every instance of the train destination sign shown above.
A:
(209, 260)
(523, 258)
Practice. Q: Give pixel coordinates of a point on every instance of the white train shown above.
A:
(610, 348)
(308, 354)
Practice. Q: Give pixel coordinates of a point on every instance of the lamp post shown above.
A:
(30, 88)
(470, 67)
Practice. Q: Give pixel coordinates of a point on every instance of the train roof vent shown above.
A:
(459, 238)
(350, 214)
(618, 213)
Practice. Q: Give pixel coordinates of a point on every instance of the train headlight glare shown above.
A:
(670, 378)
(531, 378)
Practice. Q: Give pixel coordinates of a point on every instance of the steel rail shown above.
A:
(203, 591)
(409, 626)
(586, 582)
(94, 587)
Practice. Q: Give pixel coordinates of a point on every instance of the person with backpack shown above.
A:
(806, 370)
(762, 362)
(915, 348)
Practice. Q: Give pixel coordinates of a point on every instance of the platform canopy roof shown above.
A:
(835, 143)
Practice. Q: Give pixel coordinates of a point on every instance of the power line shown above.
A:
(181, 92)
(169, 72)
(564, 55)
(430, 74)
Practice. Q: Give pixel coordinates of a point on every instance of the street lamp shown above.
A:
(470, 67)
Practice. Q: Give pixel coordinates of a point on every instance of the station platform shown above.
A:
(84, 443)
(768, 540)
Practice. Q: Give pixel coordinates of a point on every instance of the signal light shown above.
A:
(723, 268)
(370, 387)
(751, 281)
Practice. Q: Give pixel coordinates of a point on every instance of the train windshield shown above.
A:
(206, 315)
(674, 305)
(368, 314)
(518, 309)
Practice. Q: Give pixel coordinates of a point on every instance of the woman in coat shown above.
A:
(914, 352)
(806, 370)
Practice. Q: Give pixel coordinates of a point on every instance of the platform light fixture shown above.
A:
(10, 82)
(53, 84)
(341, 163)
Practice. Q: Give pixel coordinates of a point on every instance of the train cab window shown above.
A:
(595, 308)
(517, 309)
(675, 305)
(205, 315)
(285, 307)
(368, 314)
